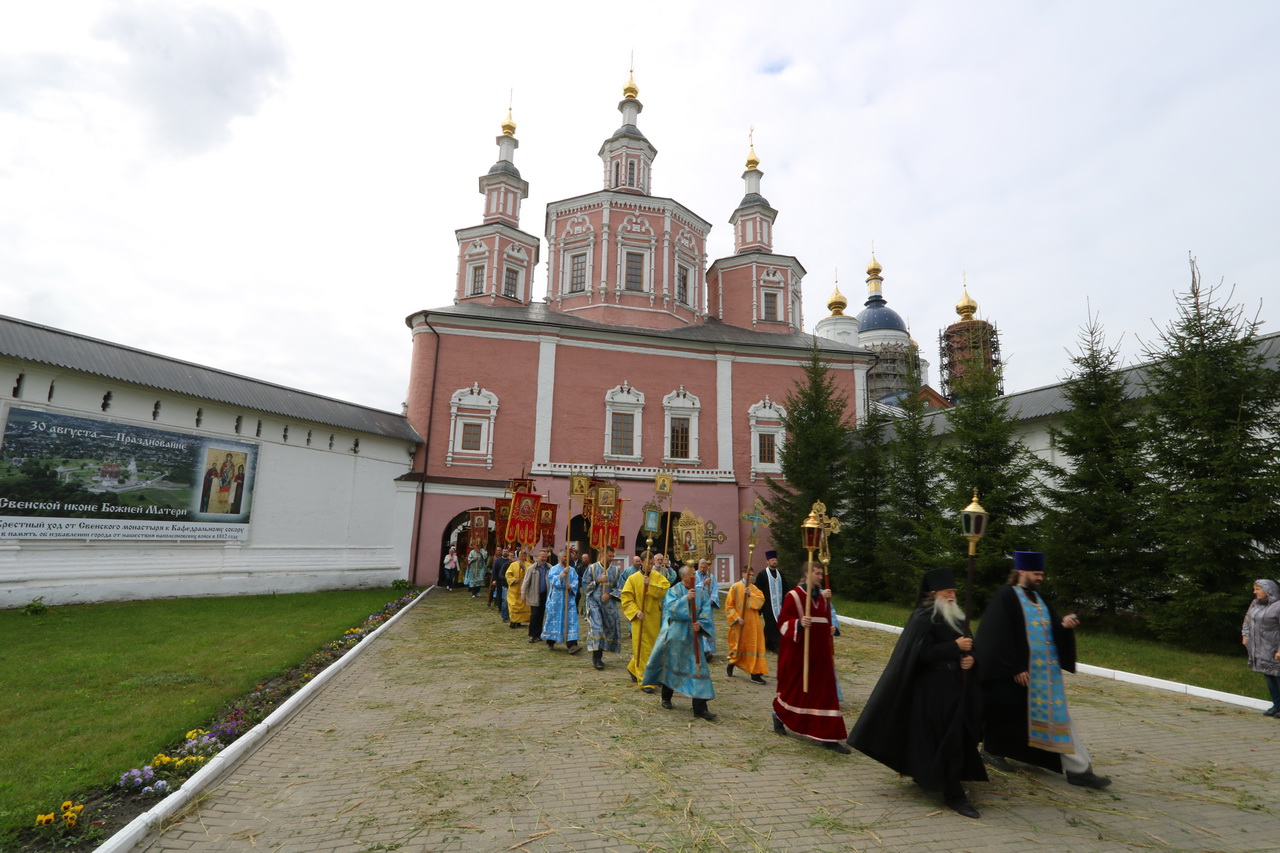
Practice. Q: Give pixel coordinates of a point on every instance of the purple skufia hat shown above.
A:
(1028, 561)
(771, 555)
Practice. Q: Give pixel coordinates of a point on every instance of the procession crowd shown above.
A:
(943, 693)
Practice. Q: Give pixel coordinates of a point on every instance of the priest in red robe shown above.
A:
(813, 713)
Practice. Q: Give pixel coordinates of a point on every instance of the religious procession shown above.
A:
(947, 705)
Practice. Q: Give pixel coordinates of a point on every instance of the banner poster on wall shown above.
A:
(67, 477)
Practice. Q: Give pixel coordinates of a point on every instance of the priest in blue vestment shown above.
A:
(677, 662)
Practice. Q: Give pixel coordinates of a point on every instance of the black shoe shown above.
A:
(1272, 712)
(704, 714)
(963, 807)
(533, 639)
(710, 659)
(632, 677)
(778, 727)
(574, 649)
(551, 644)
(648, 688)
(728, 670)
(666, 703)
(996, 761)
(757, 679)
(597, 663)
(1088, 779)
(836, 746)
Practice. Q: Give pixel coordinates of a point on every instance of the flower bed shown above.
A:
(82, 825)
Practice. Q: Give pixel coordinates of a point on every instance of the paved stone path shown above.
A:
(452, 733)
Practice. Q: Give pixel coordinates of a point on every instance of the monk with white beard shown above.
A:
(924, 716)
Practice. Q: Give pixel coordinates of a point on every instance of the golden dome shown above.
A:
(873, 268)
(966, 306)
(752, 160)
(630, 90)
(508, 126)
(837, 303)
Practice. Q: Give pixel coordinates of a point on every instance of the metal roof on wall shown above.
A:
(45, 345)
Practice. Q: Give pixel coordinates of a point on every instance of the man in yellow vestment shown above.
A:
(641, 601)
(516, 605)
(746, 629)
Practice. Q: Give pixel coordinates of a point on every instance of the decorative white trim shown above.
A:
(766, 419)
(546, 397)
(681, 404)
(623, 399)
(473, 405)
(724, 410)
(633, 472)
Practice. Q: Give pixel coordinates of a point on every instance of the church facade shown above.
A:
(644, 355)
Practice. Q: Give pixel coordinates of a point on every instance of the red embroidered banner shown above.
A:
(547, 524)
(501, 513)
(606, 525)
(479, 529)
(522, 526)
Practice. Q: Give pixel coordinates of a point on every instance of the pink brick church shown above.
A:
(642, 357)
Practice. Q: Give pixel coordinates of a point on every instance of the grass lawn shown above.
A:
(1112, 651)
(93, 690)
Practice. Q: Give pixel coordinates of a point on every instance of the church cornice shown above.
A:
(621, 201)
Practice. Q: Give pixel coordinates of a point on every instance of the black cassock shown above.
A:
(1003, 651)
(771, 635)
(923, 716)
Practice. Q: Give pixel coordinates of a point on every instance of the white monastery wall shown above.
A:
(321, 518)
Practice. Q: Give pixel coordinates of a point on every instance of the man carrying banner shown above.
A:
(641, 600)
(602, 584)
(1022, 647)
(746, 628)
(774, 586)
(677, 662)
(560, 622)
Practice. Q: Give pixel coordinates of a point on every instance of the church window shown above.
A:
(578, 272)
(682, 284)
(331, 442)
(199, 416)
(106, 401)
(617, 170)
(471, 431)
(258, 432)
(239, 420)
(623, 429)
(511, 283)
(680, 410)
(473, 412)
(767, 437)
(355, 446)
(624, 408)
(768, 448)
(49, 399)
(308, 438)
(477, 280)
(17, 386)
(631, 173)
(285, 434)
(679, 448)
(155, 415)
(635, 271)
(769, 306)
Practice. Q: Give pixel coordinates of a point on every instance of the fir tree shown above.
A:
(1213, 442)
(913, 540)
(862, 532)
(815, 464)
(984, 453)
(1098, 540)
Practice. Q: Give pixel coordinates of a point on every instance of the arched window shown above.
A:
(472, 414)
(680, 434)
(767, 437)
(623, 408)
(631, 173)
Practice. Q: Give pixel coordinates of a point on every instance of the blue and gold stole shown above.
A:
(1049, 725)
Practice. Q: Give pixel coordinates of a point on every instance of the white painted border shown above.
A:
(1115, 675)
(140, 828)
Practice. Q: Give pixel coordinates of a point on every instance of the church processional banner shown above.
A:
(606, 519)
(522, 526)
(66, 477)
(547, 524)
(501, 514)
(479, 525)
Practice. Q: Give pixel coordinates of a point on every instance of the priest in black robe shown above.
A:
(773, 584)
(923, 716)
(1020, 661)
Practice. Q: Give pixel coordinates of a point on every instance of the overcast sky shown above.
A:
(271, 188)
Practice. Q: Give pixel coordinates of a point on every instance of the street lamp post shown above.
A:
(973, 523)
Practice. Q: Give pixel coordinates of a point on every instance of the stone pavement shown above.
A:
(452, 733)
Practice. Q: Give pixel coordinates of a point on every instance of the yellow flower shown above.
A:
(194, 733)
(66, 805)
(44, 819)
(70, 818)
(78, 808)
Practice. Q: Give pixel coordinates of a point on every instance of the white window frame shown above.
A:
(777, 305)
(507, 269)
(471, 279)
(627, 251)
(766, 417)
(585, 254)
(474, 405)
(681, 404)
(566, 268)
(624, 399)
